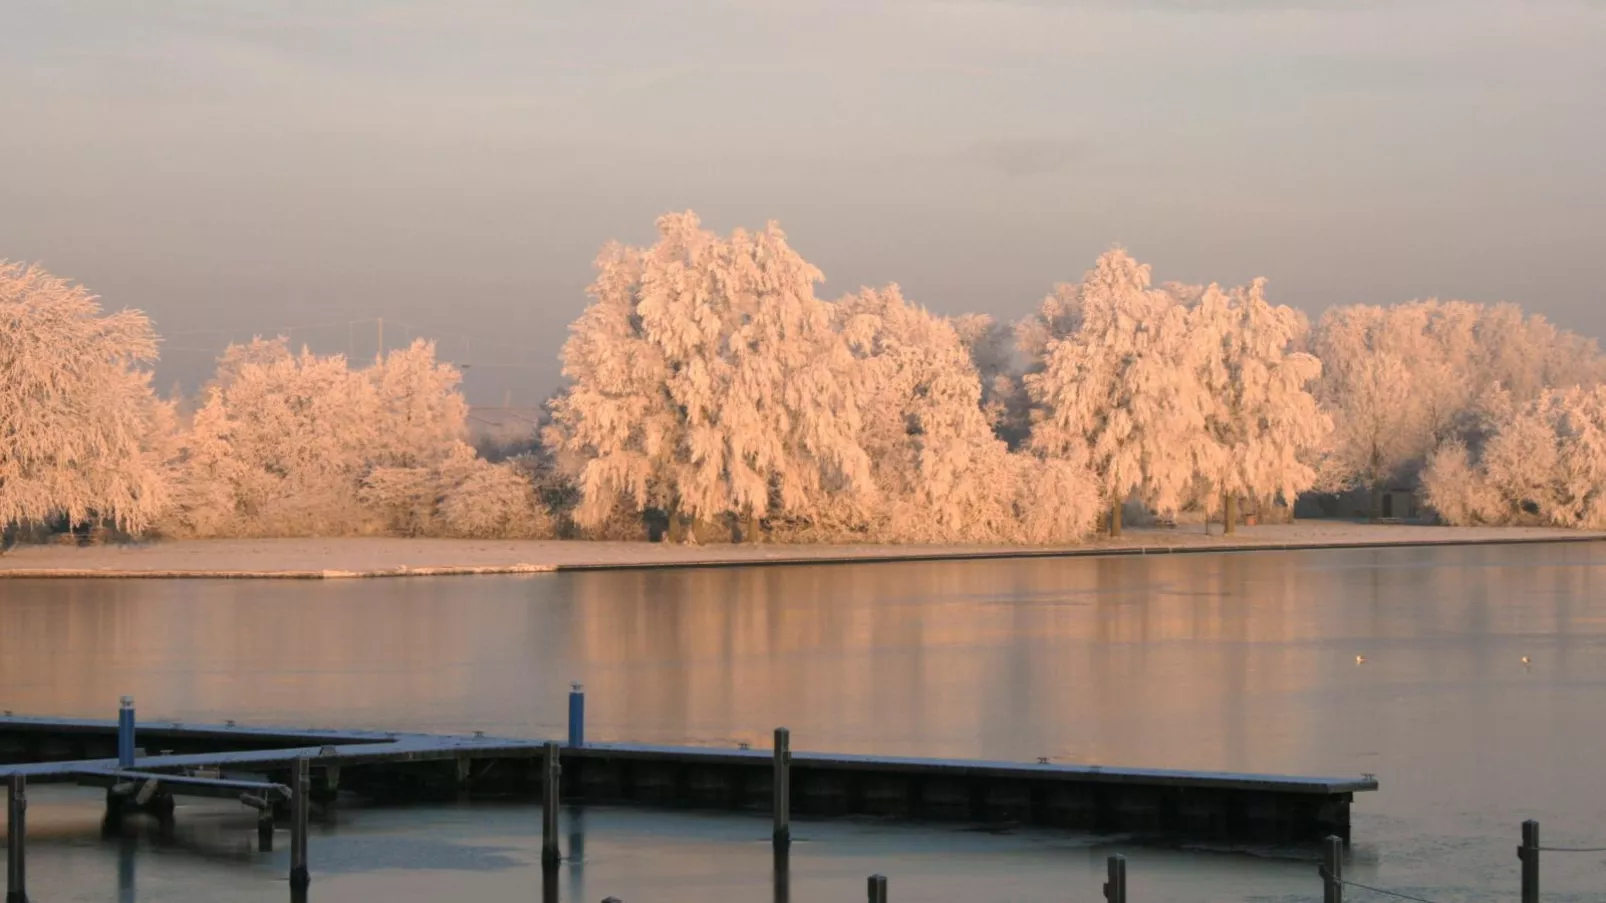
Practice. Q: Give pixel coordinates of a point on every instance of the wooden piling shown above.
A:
(551, 770)
(265, 829)
(1529, 854)
(782, 781)
(549, 885)
(1115, 885)
(782, 874)
(878, 888)
(16, 839)
(301, 790)
(1332, 870)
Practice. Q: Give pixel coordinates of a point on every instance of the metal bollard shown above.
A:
(1332, 870)
(16, 839)
(125, 733)
(301, 788)
(782, 807)
(1115, 887)
(878, 889)
(577, 714)
(1529, 854)
(550, 772)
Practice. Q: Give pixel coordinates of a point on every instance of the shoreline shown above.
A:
(378, 558)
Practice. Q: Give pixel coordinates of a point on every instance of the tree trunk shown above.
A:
(677, 527)
(750, 529)
(1229, 513)
(1377, 501)
(1115, 520)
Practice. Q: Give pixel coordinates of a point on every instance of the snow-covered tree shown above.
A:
(1403, 381)
(942, 474)
(992, 347)
(82, 436)
(278, 447)
(1544, 462)
(1122, 387)
(302, 445)
(1263, 419)
(706, 381)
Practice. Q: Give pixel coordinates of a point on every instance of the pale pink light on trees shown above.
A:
(82, 435)
(705, 380)
(1264, 421)
(1121, 389)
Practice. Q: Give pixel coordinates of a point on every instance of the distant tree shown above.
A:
(1543, 462)
(1263, 419)
(1367, 386)
(1403, 381)
(705, 380)
(289, 445)
(1122, 388)
(1003, 396)
(941, 473)
(82, 436)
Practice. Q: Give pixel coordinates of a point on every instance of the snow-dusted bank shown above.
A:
(381, 557)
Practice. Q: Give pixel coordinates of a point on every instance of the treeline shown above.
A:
(711, 395)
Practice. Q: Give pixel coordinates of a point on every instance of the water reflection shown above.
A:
(1242, 662)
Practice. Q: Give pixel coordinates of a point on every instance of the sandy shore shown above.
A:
(375, 557)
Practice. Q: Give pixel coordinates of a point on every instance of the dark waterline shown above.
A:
(1234, 662)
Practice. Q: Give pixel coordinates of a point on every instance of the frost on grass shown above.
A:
(712, 395)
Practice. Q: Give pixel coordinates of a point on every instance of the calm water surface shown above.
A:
(1236, 662)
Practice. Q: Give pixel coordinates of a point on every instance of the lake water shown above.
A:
(1241, 662)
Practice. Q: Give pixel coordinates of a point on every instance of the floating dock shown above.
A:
(279, 771)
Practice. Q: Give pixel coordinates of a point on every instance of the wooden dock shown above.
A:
(264, 767)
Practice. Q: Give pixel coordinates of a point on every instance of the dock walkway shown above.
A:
(277, 769)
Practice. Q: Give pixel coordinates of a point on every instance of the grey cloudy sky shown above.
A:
(241, 166)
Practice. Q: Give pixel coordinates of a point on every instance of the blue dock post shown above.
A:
(125, 733)
(577, 715)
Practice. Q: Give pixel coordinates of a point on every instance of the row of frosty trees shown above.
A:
(711, 393)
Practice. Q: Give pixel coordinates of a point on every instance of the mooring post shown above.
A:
(1115, 886)
(265, 829)
(1529, 854)
(878, 888)
(782, 875)
(16, 839)
(550, 772)
(125, 733)
(1332, 870)
(782, 781)
(577, 714)
(300, 791)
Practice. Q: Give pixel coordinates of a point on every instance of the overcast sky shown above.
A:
(244, 166)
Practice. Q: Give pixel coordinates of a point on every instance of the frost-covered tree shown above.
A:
(1263, 418)
(1122, 387)
(1003, 396)
(278, 447)
(1543, 462)
(1403, 381)
(82, 436)
(706, 380)
(942, 474)
(288, 444)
